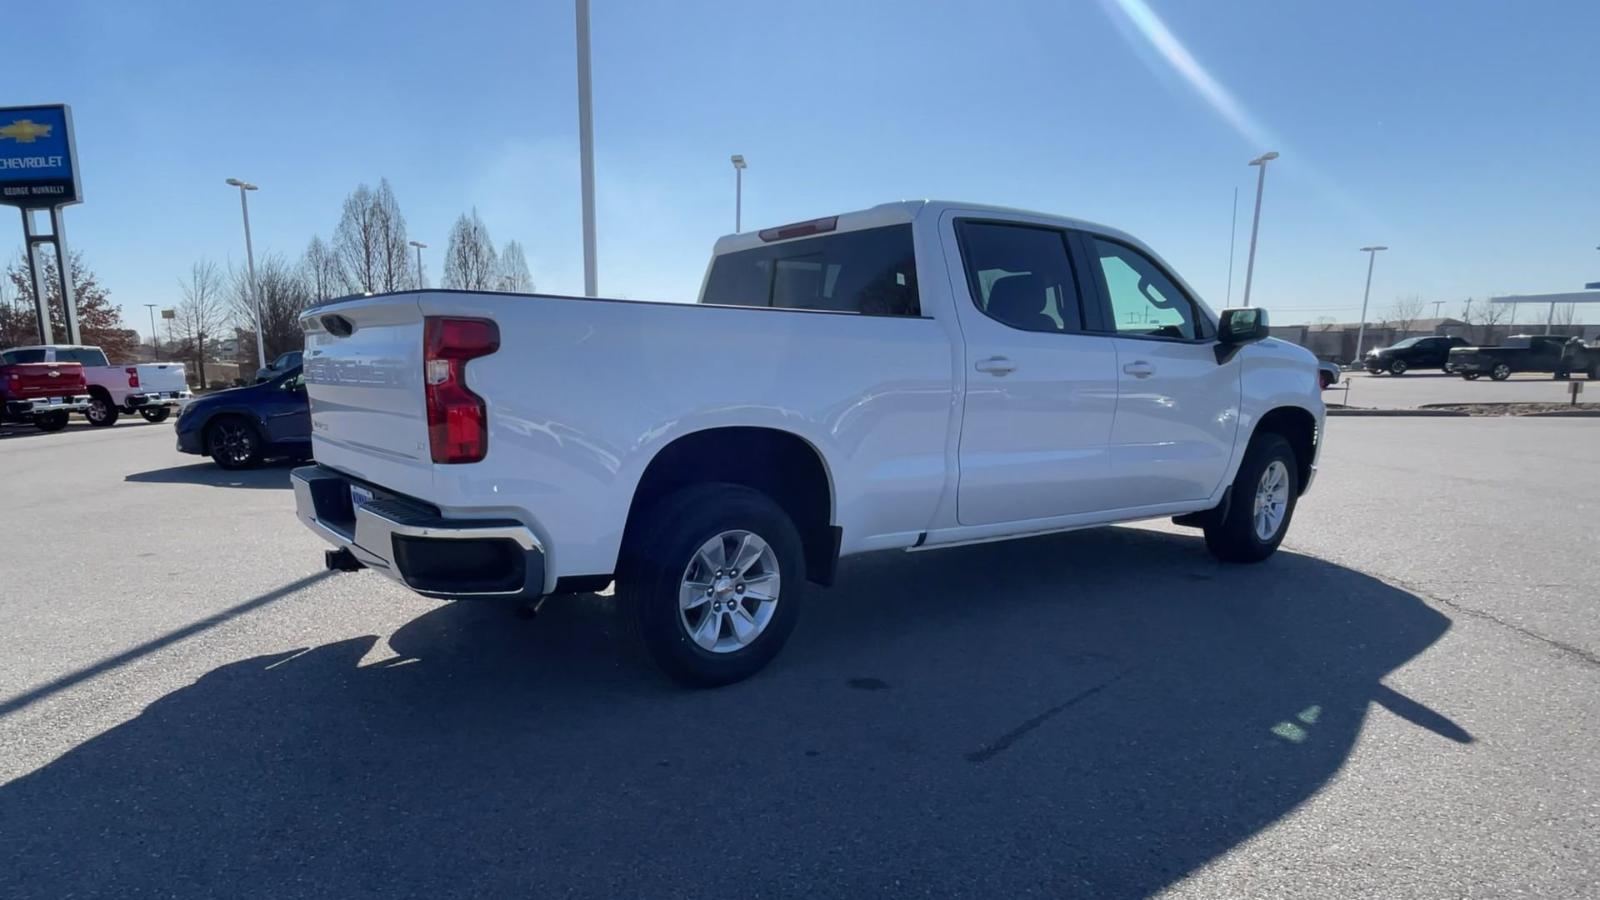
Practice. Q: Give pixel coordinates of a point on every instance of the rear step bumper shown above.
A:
(411, 543)
(47, 405)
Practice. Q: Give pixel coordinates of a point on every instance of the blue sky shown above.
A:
(1462, 135)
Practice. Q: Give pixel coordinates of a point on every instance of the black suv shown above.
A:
(1413, 353)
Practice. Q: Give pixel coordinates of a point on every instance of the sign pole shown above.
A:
(69, 299)
(41, 300)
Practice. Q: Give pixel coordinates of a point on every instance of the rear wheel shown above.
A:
(155, 413)
(1261, 503)
(50, 421)
(234, 443)
(1398, 367)
(101, 412)
(712, 580)
(1501, 372)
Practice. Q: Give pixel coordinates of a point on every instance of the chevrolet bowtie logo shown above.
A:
(25, 131)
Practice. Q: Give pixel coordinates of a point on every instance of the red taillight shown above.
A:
(458, 422)
(133, 377)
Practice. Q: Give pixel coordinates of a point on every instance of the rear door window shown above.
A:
(1021, 275)
(872, 272)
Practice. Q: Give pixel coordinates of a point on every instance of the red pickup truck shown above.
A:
(42, 393)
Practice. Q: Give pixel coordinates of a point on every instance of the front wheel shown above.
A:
(1398, 367)
(234, 443)
(713, 578)
(50, 421)
(1501, 372)
(1261, 504)
(155, 413)
(101, 412)
(1471, 376)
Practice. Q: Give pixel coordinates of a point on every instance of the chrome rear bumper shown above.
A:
(409, 542)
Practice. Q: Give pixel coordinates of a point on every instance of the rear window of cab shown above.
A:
(872, 272)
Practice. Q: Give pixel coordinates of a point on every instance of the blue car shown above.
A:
(239, 428)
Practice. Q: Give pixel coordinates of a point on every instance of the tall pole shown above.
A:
(250, 259)
(1233, 234)
(155, 339)
(419, 245)
(1361, 330)
(1436, 305)
(1255, 225)
(738, 200)
(586, 150)
(69, 297)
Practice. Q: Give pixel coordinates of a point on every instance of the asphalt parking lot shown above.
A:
(1403, 703)
(1416, 389)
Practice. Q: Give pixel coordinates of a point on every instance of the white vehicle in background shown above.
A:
(153, 390)
(915, 376)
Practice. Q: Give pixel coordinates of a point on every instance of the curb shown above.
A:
(1398, 413)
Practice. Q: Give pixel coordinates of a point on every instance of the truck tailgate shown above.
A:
(161, 378)
(24, 381)
(364, 377)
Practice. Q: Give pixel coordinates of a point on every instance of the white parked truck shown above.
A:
(914, 376)
(152, 390)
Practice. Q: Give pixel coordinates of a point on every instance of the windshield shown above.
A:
(1408, 342)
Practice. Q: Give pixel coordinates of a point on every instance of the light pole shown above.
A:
(250, 258)
(155, 339)
(1361, 330)
(738, 192)
(419, 245)
(1255, 225)
(586, 150)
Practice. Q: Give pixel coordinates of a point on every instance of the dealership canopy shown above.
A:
(1553, 300)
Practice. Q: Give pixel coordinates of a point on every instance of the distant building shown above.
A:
(1336, 341)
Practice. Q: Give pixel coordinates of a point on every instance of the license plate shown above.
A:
(359, 496)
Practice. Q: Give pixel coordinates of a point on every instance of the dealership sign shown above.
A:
(38, 167)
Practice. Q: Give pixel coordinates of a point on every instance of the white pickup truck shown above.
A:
(914, 376)
(150, 389)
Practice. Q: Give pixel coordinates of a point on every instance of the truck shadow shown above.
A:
(1089, 714)
(271, 474)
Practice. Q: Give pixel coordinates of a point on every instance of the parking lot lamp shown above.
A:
(1361, 330)
(250, 258)
(1255, 224)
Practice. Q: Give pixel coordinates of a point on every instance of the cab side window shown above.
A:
(1144, 301)
(1021, 276)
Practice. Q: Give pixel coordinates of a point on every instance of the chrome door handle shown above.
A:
(1139, 369)
(996, 365)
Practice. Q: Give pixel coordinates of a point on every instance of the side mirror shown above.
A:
(1239, 326)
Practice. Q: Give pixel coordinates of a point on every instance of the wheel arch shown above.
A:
(780, 464)
(1298, 426)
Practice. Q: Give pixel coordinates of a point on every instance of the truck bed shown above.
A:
(583, 392)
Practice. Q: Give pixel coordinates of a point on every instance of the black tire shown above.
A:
(1449, 369)
(659, 554)
(1561, 375)
(102, 413)
(155, 413)
(1594, 372)
(50, 421)
(1398, 367)
(1501, 372)
(233, 443)
(1325, 380)
(1472, 376)
(1233, 538)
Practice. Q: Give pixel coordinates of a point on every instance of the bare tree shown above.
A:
(322, 272)
(470, 263)
(514, 274)
(358, 241)
(1404, 312)
(284, 295)
(1483, 316)
(394, 257)
(202, 313)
